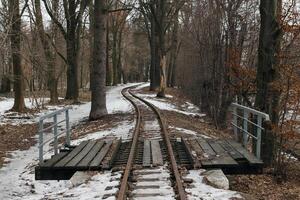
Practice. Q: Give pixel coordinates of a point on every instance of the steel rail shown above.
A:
(179, 185)
(123, 189)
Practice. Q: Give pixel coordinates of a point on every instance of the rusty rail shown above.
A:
(174, 167)
(123, 188)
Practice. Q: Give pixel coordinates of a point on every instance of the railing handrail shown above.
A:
(57, 112)
(253, 111)
(245, 120)
(55, 130)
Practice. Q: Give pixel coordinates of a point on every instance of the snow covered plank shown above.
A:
(208, 152)
(71, 155)
(201, 155)
(157, 159)
(95, 164)
(147, 154)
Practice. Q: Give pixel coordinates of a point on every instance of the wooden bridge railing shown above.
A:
(54, 128)
(242, 117)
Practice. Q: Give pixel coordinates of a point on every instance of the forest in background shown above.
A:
(216, 51)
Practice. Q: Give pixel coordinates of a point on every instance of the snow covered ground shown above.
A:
(200, 190)
(17, 177)
(166, 104)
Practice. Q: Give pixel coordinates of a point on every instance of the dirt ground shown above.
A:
(16, 137)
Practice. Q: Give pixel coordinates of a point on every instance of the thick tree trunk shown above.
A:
(15, 38)
(173, 54)
(72, 70)
(267, 68)
(109, 73)
(163, 77)
(161, 34)
(154, 65)
(91, 38)
(98, 108)
(114, 58)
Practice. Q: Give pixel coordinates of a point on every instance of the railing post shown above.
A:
(258, 135)
(245, 128)
(55, 134)
(67, 128)
(41, 125)
(234, 110)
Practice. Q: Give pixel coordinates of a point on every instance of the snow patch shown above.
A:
(200, 190)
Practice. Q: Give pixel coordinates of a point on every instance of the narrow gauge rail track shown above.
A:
(139, 105)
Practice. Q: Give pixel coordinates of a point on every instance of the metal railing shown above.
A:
(55, 131)
(241, 121)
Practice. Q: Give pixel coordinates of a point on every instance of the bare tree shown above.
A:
(47, 46)
(73, 11)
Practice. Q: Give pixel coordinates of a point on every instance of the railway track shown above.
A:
(162, 180)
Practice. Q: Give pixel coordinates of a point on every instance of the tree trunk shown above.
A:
(72, 70)
(267, 69)
(173, 54)
(161, 34)
(15, 38)
(114, 57)
(163, 77)
(91, 37)
(109, 74)
(49, 53)
(98, 108)
(154, 65)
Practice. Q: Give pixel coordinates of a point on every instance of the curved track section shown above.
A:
(147, 113)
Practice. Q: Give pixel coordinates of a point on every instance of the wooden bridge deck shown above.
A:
(227, 155)
(87, 156)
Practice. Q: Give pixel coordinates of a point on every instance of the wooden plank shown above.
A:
(157, 159)
(222, 158)
(71, 155)
(54, 159)
(100, 155)
(107, 164)
(81, 155)
(147, 154)
(250, 157)
(203, 158)
(192, 158)
(206, 148)
(93, 152)
(232, 152)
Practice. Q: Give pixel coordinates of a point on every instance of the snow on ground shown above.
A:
(93, 189)
(189, 132)
(121, 130)
(200, 190)
(165, 104)
(116, 103)
(17, 176)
